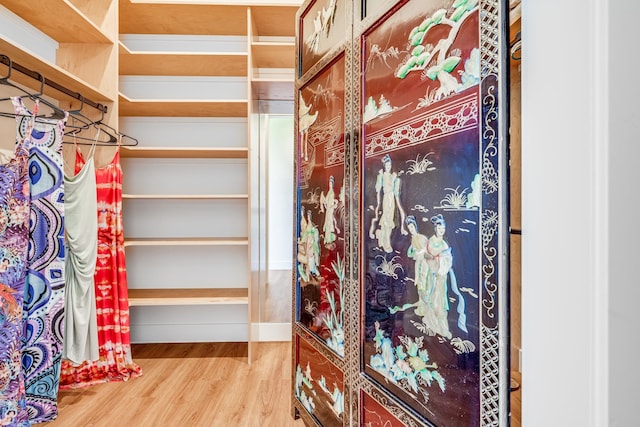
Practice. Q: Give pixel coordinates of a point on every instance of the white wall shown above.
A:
(565, 208)
(280, 191)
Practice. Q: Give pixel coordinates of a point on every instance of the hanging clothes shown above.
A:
(81, 240)
(112, 301)
(44, 289)
(14, 241)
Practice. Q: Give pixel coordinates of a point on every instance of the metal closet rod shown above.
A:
(37, 76)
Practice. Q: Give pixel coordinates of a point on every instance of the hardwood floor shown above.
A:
(199, 384)
(516, 399)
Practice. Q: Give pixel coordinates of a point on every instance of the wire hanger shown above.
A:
(77, 116)
(122, 136)
(57, 113)
(87, 123)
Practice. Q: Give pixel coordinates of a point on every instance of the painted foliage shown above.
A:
(321, 211)
(421, 207)
(318, 385)
(323, 27)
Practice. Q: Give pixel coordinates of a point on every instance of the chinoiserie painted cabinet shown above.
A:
(401, 293)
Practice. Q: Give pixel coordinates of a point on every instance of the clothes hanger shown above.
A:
(87, 124)
(57, 112)
(122, 136)
(71, 127)
(115, 136)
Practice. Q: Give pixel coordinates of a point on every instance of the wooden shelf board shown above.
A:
(150, 17)
(188, 241)
(141, 63)
(185, 152)
(49, 71)
(163, 297)
(184, 196)
(273, 55)
(274, 20)
(182, 107)
(202, 19)
(273, 89)
(59, 19)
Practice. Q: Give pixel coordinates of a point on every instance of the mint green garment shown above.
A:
(81, 242)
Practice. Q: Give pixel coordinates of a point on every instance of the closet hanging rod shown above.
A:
(4, 59)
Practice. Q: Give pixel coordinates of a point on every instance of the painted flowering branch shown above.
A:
(423, 56)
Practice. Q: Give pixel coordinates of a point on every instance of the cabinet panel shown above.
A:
(318, 385)
(425, 307)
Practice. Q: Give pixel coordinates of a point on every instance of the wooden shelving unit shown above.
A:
(30, 60)
(272, 49)
(86, 58)
(269, 45)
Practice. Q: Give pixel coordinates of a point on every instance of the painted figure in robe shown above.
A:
(387, 200)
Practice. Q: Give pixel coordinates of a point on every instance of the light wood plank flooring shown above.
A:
(198, 385)
(190, 385)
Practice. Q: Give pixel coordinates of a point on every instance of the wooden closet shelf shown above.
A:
(279, 21)
(182, 107)
(160, 297)
(186, 152)
(273, 55)
(150, 17)
(154, 18)
(187, 241)
(141, 63)
(59, 19)
(185, 196)
(50, 71)
(273, 89)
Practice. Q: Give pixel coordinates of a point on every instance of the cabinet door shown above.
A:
(433, 215)
(406, 295)
(321, 238)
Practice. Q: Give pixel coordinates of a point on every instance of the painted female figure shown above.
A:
(432, 269)
(418, 252)
(309, 242)
(328, 205)
(440, 262)
(387, 186)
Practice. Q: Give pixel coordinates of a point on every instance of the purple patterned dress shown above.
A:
(14, 240)
(44, 290)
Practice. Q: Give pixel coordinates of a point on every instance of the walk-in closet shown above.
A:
(222, 213)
